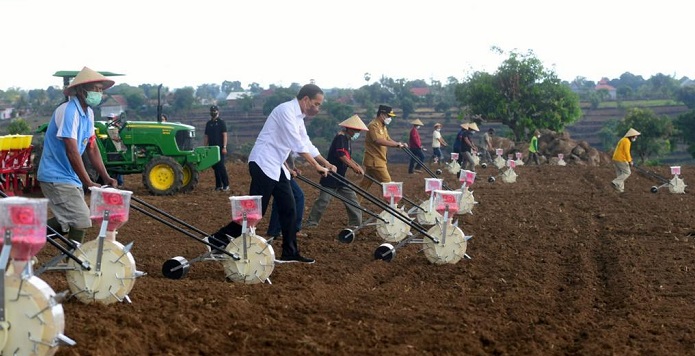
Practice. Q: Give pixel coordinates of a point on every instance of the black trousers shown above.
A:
(221, 177)
(281, 191)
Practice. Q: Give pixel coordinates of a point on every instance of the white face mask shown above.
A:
(387, 121)
(355, 136)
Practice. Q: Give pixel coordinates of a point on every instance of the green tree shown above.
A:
(134, 96)
(183, 99)
(685, 124)
(207, 92)
(18, 126)
(655, 138)
(279, 96)
(686, 94)
(521, 94)
(229, 87)
(245, 104)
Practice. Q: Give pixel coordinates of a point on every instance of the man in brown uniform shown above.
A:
(375, 147)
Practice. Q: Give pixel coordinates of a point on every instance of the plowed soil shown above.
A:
(560, 264)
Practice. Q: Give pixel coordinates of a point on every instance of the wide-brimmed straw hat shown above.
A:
(632, 132)
(86, 76)
(464, 126)
(473, 126)
(354, 122)
(417, 122)
(437, 125)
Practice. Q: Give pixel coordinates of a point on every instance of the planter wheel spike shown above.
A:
(36, 317)
(451, 249)
(256, 263)
(111, 278)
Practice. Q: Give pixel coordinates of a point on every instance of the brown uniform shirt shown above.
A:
(375, 154)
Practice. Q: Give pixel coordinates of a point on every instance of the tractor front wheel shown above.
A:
(163, 176)
(190, 178)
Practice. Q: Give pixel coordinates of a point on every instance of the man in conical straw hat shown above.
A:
(340, 155)
(468, 148)
(622, 159)
(415, 146)
(70, 133)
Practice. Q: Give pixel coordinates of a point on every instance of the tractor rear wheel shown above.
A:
(163, 176)
(190, 178)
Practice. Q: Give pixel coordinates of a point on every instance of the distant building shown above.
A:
(114, 104)
(420, 92)
(6, 113)
(603, 85)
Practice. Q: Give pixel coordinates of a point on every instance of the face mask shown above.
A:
(387, 121)
(93, 98)
(439, 129)
(355, 136)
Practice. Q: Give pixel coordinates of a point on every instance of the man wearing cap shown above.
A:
(415, 146)
(375, 146)
(622, 159)
(62, 173)
(283, 133)
(216, 135)
(437, 143)
(340, 155)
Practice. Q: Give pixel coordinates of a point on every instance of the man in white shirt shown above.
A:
(283, 132)
(437, 143)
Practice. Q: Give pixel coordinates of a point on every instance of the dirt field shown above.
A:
(561, 264)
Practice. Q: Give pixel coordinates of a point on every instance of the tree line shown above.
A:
(522, 94)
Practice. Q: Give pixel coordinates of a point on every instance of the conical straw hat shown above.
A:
(417, 122)
(85, 76)
(632, 132)
(354, 122)
(473, 126)
(464, 126)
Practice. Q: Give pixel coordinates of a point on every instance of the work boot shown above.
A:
(76, 234)
(55, 225)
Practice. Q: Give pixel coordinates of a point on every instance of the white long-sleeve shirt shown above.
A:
(282, 133)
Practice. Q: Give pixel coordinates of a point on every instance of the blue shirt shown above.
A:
(282, 133)
(68, 121)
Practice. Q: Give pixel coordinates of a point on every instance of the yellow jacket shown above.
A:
(622, 151)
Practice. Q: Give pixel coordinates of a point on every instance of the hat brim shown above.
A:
(70, 90)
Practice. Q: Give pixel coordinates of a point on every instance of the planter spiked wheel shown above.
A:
(247, 258)
(675, 185)
(446, 243)
(113, 271)
(112, 277)
(31, 315)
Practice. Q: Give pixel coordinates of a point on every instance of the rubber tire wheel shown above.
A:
(190, 178)
(163, 176)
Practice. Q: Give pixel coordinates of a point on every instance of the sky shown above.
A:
(334, 43)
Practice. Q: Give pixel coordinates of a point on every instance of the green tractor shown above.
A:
(162, 152)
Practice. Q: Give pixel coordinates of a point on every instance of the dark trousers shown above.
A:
(274, 228)
(281, 191)
(221, 177)
(421, 156)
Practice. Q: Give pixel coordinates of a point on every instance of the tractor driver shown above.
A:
(69, 134)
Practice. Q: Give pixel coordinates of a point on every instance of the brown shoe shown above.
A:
(301, 234)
